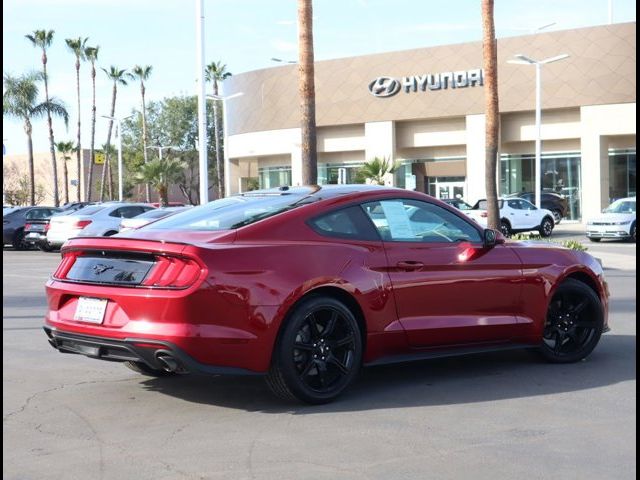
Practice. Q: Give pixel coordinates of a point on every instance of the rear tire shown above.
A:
(45, 247)
(594, 239)
(318, 353)
(144, 369)
(505, 228)
(557, 216)
(110, 233)
(18, 240)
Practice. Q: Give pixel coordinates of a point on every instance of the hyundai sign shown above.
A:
(384, 87)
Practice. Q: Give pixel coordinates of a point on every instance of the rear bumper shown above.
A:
(143, 350)
(35, 238)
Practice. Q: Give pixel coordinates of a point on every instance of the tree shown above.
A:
(17, 187)
(160, 174)
(217, 72)
(117, 76)
(91, 53)
(77, 46)
(65, 149)
(142, 74)
(43, 39)
(489, 63)
(306, 89)
(20, 100)
(376, 169)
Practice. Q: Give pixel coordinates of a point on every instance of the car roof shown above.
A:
(320, 191)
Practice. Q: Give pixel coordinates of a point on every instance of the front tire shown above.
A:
(546, 227)
(318, 353)
(574, 324)
(632, 233)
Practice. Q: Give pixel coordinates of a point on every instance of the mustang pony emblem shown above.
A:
(100, 268)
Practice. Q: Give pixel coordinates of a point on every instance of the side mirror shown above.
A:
(491, 238)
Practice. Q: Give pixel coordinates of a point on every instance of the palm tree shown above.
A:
(117, 76)
(19, 100)
(376, 169)
(160, 174)
(77, 47)
(306, 89)
(489, 61)
(65, 149)
(42, 39)
(217, 72)
(143, 74)
(91, 53)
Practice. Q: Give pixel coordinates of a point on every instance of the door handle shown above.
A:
(409, 265)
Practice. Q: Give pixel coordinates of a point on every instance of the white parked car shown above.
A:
(516, 215)
(147, 217)
(101, 220)
(618, 220)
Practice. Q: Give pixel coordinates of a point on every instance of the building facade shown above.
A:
(424, 109)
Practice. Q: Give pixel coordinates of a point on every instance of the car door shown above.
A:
(533, 214)
(449, 289)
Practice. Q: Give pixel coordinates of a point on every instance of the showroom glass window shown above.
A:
(560, 173)
(274, 177)
(622, 174)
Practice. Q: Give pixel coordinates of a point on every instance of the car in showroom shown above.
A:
(92, 221)
(305, 285)
(617, 221)
(557, 204)
(516, 215)
(458, 203)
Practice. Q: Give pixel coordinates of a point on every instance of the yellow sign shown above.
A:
(99, 158)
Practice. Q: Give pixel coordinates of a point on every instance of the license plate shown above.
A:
(90, 310)
(36, 228)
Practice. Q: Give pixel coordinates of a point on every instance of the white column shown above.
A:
(380, 141)
(476, 145)
(202, 105)
(296, 164)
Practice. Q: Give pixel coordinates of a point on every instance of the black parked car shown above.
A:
(36, 226)
(13, 224)
(556, 204)
(457, 202)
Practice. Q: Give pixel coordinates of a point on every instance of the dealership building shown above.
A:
(424, 109)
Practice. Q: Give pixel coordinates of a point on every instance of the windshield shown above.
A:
(230, 213)
(621, 206)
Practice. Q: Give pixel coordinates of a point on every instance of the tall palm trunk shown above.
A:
(92, 153)
(307, 93)
(52, 146)
(32, 182)
(65, 172)
(147, 187)
(106, 167)
(489, 54)
(78, 146)
(216, 134)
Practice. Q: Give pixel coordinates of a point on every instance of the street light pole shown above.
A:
(524, 60)
(202, 105)
(215, 98)
(120, 164)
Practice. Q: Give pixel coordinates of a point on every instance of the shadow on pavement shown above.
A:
(475, 378)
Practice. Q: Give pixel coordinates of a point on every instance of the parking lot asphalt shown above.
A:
(501, 415)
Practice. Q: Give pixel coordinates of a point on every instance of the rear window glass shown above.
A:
(230, 213)
(482, 204)
(89, 210)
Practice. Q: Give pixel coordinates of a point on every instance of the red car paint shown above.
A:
(411, 297)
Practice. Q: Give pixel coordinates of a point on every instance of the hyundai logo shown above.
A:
(384, 87)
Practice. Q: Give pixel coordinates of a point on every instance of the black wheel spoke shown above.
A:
(307, 347)
(307, 368)
(585, 324)
(558, 345)
(573, 336)
(314, 327)
(322, 374)
(342, 367)
(580, 306)
(331, 325)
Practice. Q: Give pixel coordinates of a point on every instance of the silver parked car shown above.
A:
(147, 217)
(101, 220)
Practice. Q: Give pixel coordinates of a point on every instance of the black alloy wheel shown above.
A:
(318, 353)
(505, 228)
(574, 323)
(632, 233)
(546, 227)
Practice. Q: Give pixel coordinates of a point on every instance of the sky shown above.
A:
(244, 35)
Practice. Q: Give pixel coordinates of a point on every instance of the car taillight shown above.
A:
(47, 227)
(80, 224)
(68, 259)
(483, 214)
(172, 272)
(27, 226)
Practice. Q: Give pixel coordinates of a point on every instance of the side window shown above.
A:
(515, 204)
(130, 212)
(117, 212)
(345, 223)
(404, 220)
(528, 205)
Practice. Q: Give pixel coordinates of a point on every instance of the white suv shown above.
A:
(618, 220)
(516, 215)
(101, 220)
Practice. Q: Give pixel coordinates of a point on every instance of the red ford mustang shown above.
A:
(306, 285)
